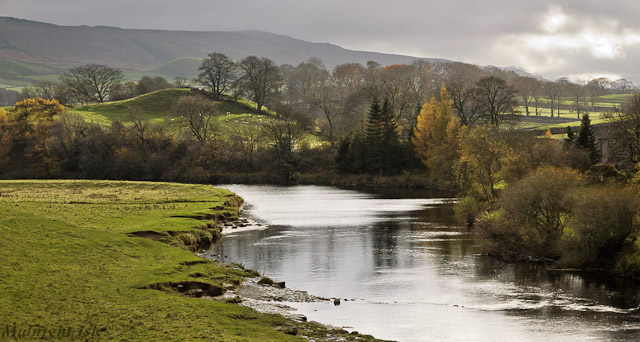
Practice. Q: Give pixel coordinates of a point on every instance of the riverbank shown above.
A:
(80, 263)
(351, 181)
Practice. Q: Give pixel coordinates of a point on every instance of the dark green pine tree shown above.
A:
(587, 139)
(389, 125)
(392, 154)
(374, 136)
(374, 122)
(381, 136)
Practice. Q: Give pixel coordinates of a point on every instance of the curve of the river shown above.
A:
(411, 274)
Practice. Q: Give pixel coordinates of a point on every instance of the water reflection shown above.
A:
(414, 275)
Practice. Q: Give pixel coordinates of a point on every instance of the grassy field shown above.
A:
(69, 262)
(567, 117)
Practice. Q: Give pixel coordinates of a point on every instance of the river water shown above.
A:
(411, 274)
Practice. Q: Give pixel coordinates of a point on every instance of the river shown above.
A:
(410, 273)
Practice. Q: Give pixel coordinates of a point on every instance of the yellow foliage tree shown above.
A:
(485, 159)
(36, 109)
(435, 139)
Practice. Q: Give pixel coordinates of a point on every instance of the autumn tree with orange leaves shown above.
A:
(435, 139)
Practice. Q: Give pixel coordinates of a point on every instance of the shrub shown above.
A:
(500, 237)
(467, 210)
(628, 262)
(602, 217)
(534, 213)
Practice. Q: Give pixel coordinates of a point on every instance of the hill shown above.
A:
(158, 108)
(135, 49)
(31, 50)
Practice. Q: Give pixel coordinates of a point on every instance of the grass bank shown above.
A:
(73, 269)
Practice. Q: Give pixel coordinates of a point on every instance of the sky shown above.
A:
(579, 39)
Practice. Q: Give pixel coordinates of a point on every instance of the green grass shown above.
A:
(158, 108)
(16, 75)
(13, 69)
(155, 106)
(68, 261)
(574, 124)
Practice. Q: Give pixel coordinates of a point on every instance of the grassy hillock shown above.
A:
(158, 108)
(155, 106)
(69, 261)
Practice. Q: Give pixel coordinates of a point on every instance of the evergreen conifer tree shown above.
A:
(587, 139)
(381, 136)
(373, 136)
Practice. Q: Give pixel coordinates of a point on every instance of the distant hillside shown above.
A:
(41, 43)
(31, 50)
(183, 67)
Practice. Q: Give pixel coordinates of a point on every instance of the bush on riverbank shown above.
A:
(602, 218)
(534, 213)
(551, 215)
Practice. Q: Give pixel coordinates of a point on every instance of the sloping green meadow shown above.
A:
(70, 270)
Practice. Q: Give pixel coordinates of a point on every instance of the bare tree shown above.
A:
(349, 78)
(261, 78)
(622, 86)
(551, 91)
(525, 87)
(425, 80)
(282, 135)
(93, 81)
(626, 129)
(494, 99)
(311, 75)
(47, 90)
(141, 125)
(595, 88)
(249, 138)
(578, 93)
(198, 115)
(397, 83)
(564, 90)
(372, 79)
(290, 84)
(217, 72)
(536, 93)
(460, 79)
(326, 99)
